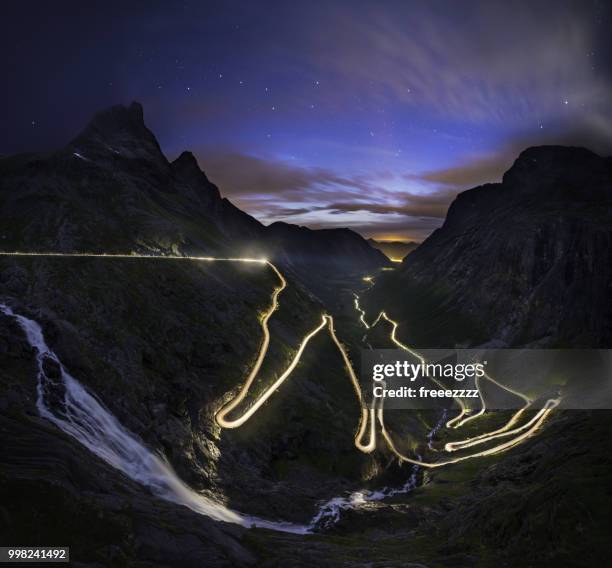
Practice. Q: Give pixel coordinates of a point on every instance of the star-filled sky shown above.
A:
(370, 115)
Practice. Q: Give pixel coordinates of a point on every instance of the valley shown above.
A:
(186, 392)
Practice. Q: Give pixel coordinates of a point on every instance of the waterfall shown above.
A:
(62, 400)
(65, 402)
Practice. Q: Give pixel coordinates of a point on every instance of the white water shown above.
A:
(65, 402)
(80, 415)
(434, 430)
(330, 512)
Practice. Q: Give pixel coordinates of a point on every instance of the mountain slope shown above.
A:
(523, 262)
(517, 262)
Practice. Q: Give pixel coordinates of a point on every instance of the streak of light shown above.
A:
(367, 423)
(460, 420)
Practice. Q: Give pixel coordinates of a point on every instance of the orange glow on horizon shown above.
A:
(394, 239)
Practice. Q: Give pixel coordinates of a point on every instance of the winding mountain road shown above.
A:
(366, 434)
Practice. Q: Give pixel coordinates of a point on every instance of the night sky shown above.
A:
(371, 115)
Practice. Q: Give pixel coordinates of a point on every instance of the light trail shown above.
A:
(482, 438)
(362, 313)
(397, 342)
(458, 421)
(366, 414)
(140, 257)
(225, 410)
(499, 433)
(540, 417)
(369, 416)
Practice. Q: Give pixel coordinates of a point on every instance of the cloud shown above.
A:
(594, 133)
(475, 171)
(497, 77)
(243, 174)
(434, 205)
(273, 190)
(493, 62)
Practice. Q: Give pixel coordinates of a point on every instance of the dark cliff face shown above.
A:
(112, 189)
(525, 261)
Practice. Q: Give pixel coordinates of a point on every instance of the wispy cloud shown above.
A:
(494, 77)
(275, 190)
(496, 61)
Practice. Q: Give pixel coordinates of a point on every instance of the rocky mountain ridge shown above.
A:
(518, 262)
(112, 190)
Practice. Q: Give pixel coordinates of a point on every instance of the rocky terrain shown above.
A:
(161, 342)
(525, 261)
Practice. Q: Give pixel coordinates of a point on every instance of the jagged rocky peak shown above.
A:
(187, 163)
(186, 166)
(514, 261)
(187, 170)
(113, 189)
(119, 131)
(558, 168)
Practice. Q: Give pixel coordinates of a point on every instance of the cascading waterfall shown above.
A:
(62, 400)
(65, 402)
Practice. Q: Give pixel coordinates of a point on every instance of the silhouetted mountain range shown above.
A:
(112, 189)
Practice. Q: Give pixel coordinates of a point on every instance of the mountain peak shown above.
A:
(543, 163)
(187, 169)
(187, 163)
(119, 130)
(120, 117)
